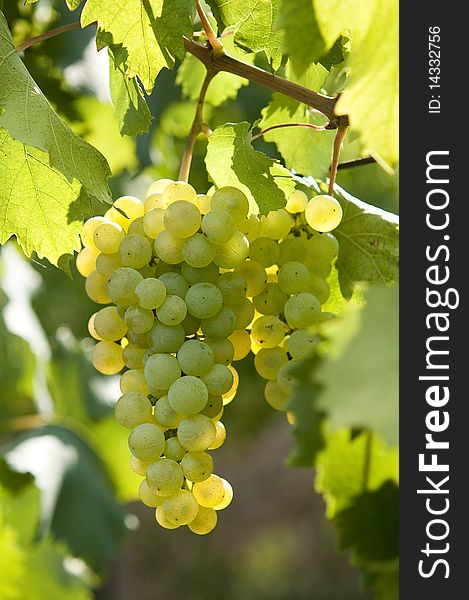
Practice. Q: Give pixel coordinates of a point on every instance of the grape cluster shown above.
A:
(194, 283)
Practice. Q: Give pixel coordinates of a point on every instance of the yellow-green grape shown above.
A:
(323, 247)
(153, 201)
(296, 202)
(132, 409)
(271, 301)
(241, 341)
(218, 380)
(131, 206)
(161, 371)
(233, 201)
(182, 219)
(175, 284)
(151, 293)
(164, 477)
(196, 433)
(166, 338)
(301, 344)
(133, 380)
(135, 251)
(191, 325)
(133, 356)
(286, 378)
(275, 396)
(302, 310)
(181, 508)
(172, 311)
(106, 264)
(188, 395)
(86, 260)
(168, 248)
(193, 275)
(89, 227)
(319, 288)
(179, 191)
(138, 319)
(146, 442)
(269, 360)
(244, 313)
(233, 287)
(166, 415)
(251, 227)
(233, 253)
(122, 284)
(148, 496)
(294, 278)
(108, 237)
(136, 228)
(91, 328)
(138, 339)
(220, 325)
(198, 252)
(109, 325)
(213, 407)
(138, 466)
(276, 224)
(268, 331)
(162, 520)
(292, 249)
(197, 466)
(158, 186)
(254, 275)
(96, 288)
(107, 358)
(204, 522)
(320, 267)
(323, 213)
(218, 226)
(203, 203)
(203, 300)
(227, 498)
(210, 492)
(223, 350)
(231, 393)
(195, 358)
(265, 251)
(174, 450)
(220, 437)
(153, 222)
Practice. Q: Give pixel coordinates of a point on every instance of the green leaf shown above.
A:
(39, 205)
(12, 564)
(254, 22)
(73, 4)
(131, 108)
(21, 510)
(26, 114)
(339, 16)
(147, 32)
(360, 374)
(231, 160)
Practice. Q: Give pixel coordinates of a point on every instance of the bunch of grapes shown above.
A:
(193, 283)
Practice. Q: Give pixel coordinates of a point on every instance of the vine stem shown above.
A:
(213, 40)
(339, 138)
(282, 125)
(48, 34)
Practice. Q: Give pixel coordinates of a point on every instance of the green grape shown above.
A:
(213, 407)
(146, 442)
(133, 381)
(271, 301)
(233, 201)
(233, 287)
(182, 219)
(221, 325)
(196, 433)
(164, 477)
(251, 227)
(188, 395)
(198, 252)
(319, 288)
(241, 341)
(197, 466)
(269, 360)
(227, 498)
(244, 313)
(175, 284)
(162, 520)
(91, 329)
(109, 325)
(153, 223)
(204, 522)
(148, 496)
(154, 200)
(132, 409)
(318, 266)
(203, 203)
(166, 338)
(182, 508)
(323, 247)
(174, 450)
(218, 380)
(276, 224)
(158, 186)
(294, 278)
(195, 358)
(268, 331)
(220, 437)
(218, 226)
(296, 202)
(203, 300)
(122, 284)
(137, 339)
(156, 394)
(136, 228)
(106, 264)
(292, 249)
(275, 397)
(166, 415)
(323, 213)
(301, 344)
(172, 311)
(148, 271)
(168, 248)
(233, 253)
(162, 370)
(96, 288)
(223, 350)
(265, 251)
(86, 261)
(191, 325)
(286, 379)
(89, 227)
(131, 207)
(254, 275)
(302, 310)
(139, 320)
(151, 293)
(107, 358)
(179, 191)
(133, 356)
(192, 275)
(139, 467)
(108, 237)
(135, 251)
(210, 492)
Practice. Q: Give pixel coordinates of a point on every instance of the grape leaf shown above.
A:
(334, 17)
(29, 118)
(147, 32)
(73, 4)
(39, 205)
(254, 22)
(231, 160)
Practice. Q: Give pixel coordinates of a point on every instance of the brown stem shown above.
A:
(48, 34)
(339, 138)
(356, 162)
(283, 125)
(197, 127)
(217, 46)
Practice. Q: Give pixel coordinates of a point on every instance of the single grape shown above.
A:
(244, 313)
(148, 496)
(162, 520)
(265, 251)
(109, 325)
(133, 380)
(174, 450)
(323, 247)
(198, 252)
(166, 415)
(151, 293)
(302, 310)
(179, 191)
(196, 433)
(269, 360)
(139, 320)
(172, 311)
(323, 213)
(276, 224)
(213, 407)
(233, 253)
(254, 275)
(132, 409)
(203, 300)
(271, 301)
(182, 219)
(210, 492)
(164, 477)
(218, 380)
(146, 442)
(192, 275)
(135, 251)
(153, 200)
(89, 227)
(296, 202)
(221, 325)
(294, 278)
(301, 344)
(220, 437)
(107, 358)
(223, 350)
(188, 395)
(168, 248)
(106, 264)
(122, 284)
(175, 284)
(233, 287)
(233, 201)
(275, 397)
(268, 331)
(241, 341)
(195, 358)
(162, 370)
(204, 522)
(108, 237)
(133, 356)
(182, 508)
(96, 288)
(86, 261)
(197, 466)
(166, 338)
(153, 222)
(218, 226)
